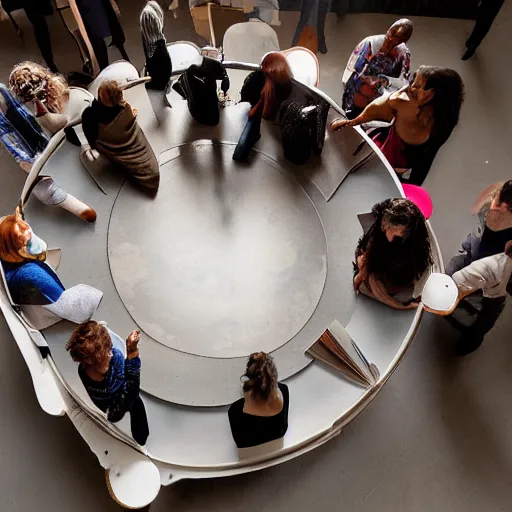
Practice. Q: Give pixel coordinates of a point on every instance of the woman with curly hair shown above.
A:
(393, 254)
(32, 82)
(111, 379)
(262, 414)
(423, 115)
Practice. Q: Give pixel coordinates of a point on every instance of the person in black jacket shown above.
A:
(158, 60)
(198, 85)
(262, 414)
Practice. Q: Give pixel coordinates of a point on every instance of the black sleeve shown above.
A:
(253, 85)
(129, 391)
(90, 126)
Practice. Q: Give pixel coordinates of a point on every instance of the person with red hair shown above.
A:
(265, 89)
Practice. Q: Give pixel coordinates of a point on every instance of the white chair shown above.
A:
(247, 42)
(304, 65)
(183, 54)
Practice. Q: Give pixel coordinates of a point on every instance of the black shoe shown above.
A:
(465, 345)
(469, 52)
(322, 47)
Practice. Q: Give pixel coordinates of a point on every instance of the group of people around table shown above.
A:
(391, 258)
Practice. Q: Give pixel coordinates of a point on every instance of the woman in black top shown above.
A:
(265, 90)
(198, 85)
(158, 60)
(262, 415)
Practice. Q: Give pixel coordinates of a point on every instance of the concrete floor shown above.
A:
(435, 439)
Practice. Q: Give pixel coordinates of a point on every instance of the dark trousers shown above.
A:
(491, 310)
(42, 35)
(249, 137)
(100, 50)
(139, 421)
(306, 14)
(487, 11)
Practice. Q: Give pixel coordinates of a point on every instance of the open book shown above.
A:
(337, 349)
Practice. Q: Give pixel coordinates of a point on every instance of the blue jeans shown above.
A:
(249, 137)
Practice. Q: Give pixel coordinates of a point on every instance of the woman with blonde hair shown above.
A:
(262, 414)
(110, 126)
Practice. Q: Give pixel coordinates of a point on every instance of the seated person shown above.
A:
(265, 90)
(198, 85)
(111, 379)
(393, 254)
(262, 415)
(494, 228)
(491, 275)
(158, 60)
(378, 62)
(423, 115)
(110, 126)
(32, 282)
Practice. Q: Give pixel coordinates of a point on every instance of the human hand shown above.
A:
(358, 280)
(132, 344)
(90, 153)
(412, 305)
(339, 123)
(135, 111)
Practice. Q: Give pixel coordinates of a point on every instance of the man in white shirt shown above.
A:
(491, 275)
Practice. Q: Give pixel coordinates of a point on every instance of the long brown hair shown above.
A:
(260, 375)
(277, 72)
(10, 243)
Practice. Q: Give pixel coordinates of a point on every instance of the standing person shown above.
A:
(487, 11)
(423, 116)
(265, 90)
(493, 232)
(36, 11)
(312, 15)
(493, 208)
(393, 254)
(101, 22)
(492, 276)
(262, 414)
(378, 62)
(158, 60)
(110, 126)
(111, 380)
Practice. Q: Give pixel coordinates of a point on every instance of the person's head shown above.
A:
(30, 82)
(152, 22)
(277, 71)
(91, 345)
(502, 200)
(444, 90)
(110, 93)
(399, 32)
(260, 377)
(18, 243)
(399, 226)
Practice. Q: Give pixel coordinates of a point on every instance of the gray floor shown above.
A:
(435, 439)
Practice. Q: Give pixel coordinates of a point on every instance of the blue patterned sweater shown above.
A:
(116, 392)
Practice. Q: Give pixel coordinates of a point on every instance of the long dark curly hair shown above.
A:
(447, 101)
(401, 261)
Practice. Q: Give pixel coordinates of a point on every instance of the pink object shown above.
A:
(420, 197)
